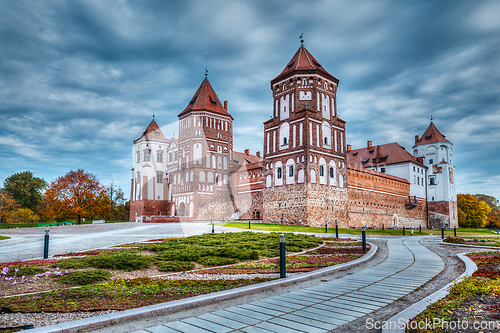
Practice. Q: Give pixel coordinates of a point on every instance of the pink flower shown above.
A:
(15, 282)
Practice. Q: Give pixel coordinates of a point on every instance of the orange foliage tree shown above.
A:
(75, 195)
(8, 207)
(472, 212)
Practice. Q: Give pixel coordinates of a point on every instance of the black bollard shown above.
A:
(420, 228)
(249, 226)
(46, 245)
(336, 229)
(442, 233)
(455, 231)
(282, 256)
(326, 228)
(403, 231)
(412, 230)
(212, 221)
(383, 226)
(363, 238)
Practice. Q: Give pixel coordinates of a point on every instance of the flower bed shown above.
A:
(473, 241)
(475, 299)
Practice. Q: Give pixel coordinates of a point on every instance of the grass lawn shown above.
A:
(34, 225)
(464, 232)
(4, 237)
(293, 228)
(474, 299)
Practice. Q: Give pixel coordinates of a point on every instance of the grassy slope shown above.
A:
(398, 232)
(4, 237)
(293, 228)
(33, 225)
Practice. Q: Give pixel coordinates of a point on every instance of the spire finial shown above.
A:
(206, 72)
(301, 39)
(153, 116)
(431, 118)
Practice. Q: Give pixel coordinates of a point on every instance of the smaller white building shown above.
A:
(394, 160)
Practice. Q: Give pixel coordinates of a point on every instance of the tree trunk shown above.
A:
(79, 218)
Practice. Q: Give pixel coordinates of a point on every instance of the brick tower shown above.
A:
(436, 152)
(200, 182)
(304, 148)
(149, 188)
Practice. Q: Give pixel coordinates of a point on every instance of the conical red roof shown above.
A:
(431, 135)
(153, 131)
(205, 99)
(303, 61)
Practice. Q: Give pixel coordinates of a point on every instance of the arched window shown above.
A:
(219, 136)
(210, 177)
(321, 171)
(331, 172)
(290, 171)
(300, 176)
(198, 132)
(304, 82)
(279, 173)
(284, 86)
(268, 181)
(326, 140)
(201, 177)
(284, 141)
(219, 162)
(313, 176)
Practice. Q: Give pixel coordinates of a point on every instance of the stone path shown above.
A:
(327, 305)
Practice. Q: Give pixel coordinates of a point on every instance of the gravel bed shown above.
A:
(194, 276)
(44, 318)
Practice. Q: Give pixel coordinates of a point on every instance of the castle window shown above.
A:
(431, 161)
(418, 180)
(198, 132)
(321, 171)
(291, 171)
(284, 86)
(331, 172)
(284, 141)
(326, 140)
(432, 181)
(170, 157)
(175, 156)
(219, 136)
(138, 157)
(279, 173)
(147, 155)
(382, 170)
(159, 177)
(159, 157)
(413, 168)
(304, 82)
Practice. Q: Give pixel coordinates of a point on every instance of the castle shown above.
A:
(307, 173)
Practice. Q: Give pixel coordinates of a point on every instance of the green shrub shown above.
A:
(216, 261)
(126, 261)
(74, 263)
(123, 260)
(175, 266)
(80, 278)
(26, 271)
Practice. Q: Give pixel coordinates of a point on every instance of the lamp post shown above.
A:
(46, 245)
(363, 238)
(282, 256)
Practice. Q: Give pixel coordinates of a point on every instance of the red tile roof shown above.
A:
(243, 158)
(390, 153)
(431, 135)
(303, 61)
(153, 131)
(205, 99)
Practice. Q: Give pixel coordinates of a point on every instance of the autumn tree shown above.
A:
(472, 212)
(8, 208)
(25, 189)
(120, 206)
(494, 215)
(75, 195)
(490, 200)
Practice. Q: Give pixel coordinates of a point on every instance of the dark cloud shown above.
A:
(79, 80)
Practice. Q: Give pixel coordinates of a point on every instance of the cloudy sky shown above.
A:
(80, 80)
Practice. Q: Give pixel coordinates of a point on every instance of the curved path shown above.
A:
(327, 305)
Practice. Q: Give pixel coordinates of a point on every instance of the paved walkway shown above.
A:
(327, 305)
